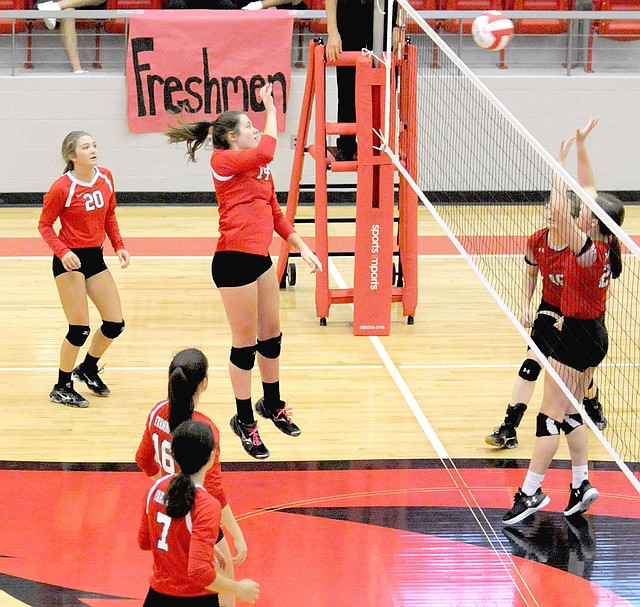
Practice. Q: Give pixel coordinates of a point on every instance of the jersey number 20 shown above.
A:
(93, 200)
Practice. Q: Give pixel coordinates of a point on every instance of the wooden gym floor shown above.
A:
(389, 497)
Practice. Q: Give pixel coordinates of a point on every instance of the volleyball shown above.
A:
(492, 31)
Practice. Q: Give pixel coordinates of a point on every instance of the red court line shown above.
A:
(203, 246)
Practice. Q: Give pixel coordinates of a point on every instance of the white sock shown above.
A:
(580, 474)
(532, 482)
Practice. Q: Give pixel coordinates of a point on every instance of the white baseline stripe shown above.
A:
(307, 367)
(165, 257)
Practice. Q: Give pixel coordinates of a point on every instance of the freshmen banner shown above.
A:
(203, 62)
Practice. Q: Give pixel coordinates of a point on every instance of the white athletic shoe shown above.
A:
(49, 6)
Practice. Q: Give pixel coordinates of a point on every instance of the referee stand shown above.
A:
(377, 284)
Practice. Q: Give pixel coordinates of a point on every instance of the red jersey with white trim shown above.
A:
(87, 213)
(247, 204)
(550, 264)
(182, 548)
(154, 451)
(587, 279)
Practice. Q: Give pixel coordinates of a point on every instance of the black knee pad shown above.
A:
(530, 370)
(78, 334)
(545, 426)
(111, 330)
(270, 348)
(571, 422)
(243, 358)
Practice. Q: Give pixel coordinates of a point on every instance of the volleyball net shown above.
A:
(486, 181)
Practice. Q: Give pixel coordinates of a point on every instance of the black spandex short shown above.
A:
(543, 332)
(156, 599)
(583, 343)
(236, 269)
(91, 262)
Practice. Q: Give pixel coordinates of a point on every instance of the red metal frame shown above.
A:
(375, 190)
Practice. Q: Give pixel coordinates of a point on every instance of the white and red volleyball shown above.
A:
(492, 31)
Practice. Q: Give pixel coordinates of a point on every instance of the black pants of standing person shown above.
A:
(355, 25)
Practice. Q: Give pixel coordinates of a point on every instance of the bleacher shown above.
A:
(562, 34)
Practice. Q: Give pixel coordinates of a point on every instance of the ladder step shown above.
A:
(335, 166)
(341, 295)
(346, 166)
(340, 128)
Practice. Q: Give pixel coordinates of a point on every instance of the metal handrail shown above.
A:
(591, 16)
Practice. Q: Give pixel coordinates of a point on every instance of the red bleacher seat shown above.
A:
(624, 31)
(6, 25)
(117, 26)
(620, 30)
(317, 26)
(541, 27)
(424, 5)
(452, 26)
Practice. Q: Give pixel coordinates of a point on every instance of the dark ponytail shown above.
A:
(614, 208)
(180, 495)
(196, 133)
(186, 371)
(192, 445)
(615, 256)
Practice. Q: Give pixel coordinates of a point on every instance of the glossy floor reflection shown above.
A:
(347, 534)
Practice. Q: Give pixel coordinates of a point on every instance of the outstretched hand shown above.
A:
(266, 94)
(563, 152)
(581, 134)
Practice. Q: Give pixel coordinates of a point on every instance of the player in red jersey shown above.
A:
(241, 267)
(188, 379)
(180, 525)
(84, 201)
(544, 257)
(583, 340)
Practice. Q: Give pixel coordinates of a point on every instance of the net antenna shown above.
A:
(486, 180)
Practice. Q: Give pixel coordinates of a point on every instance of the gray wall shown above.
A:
(38, 110)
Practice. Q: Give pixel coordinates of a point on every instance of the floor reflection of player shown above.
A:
(570, 547)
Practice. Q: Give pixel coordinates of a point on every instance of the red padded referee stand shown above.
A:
(373, 291)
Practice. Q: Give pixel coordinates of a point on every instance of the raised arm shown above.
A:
(585, 173)
(271, 125)
(560, 211)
